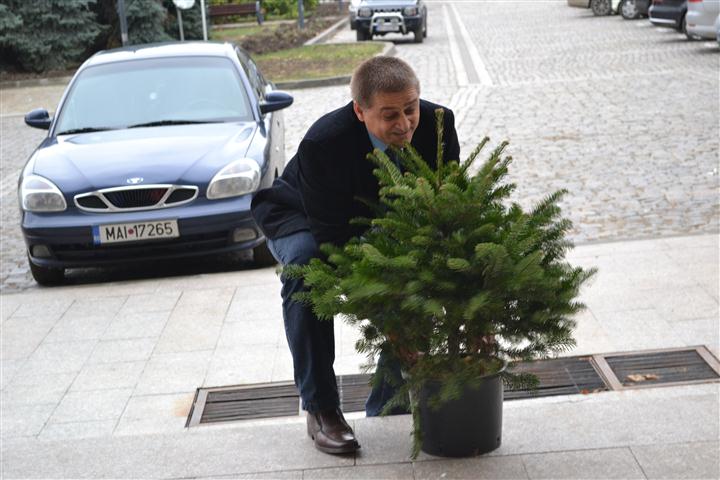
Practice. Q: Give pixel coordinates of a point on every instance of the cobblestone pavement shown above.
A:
(622, 114)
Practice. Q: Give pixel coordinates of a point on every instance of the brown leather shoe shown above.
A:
(331, 432)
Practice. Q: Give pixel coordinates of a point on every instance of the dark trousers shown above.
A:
(312, 341)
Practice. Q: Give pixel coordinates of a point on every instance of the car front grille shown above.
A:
(386, 10)
(146, 197)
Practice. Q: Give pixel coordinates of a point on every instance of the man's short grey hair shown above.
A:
(381, 74)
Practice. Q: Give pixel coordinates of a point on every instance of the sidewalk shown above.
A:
(97, 381)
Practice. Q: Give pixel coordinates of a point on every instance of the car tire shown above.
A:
(425, 28)
(47, 276)
(262, 256)
(683, 27)
(628, 10)
(418, 33)
(600, 8)
(362, 35)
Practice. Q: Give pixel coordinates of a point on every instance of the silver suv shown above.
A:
(379, 17)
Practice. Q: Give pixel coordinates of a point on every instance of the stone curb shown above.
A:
(35, 82)
(388, 49)
(320, 37)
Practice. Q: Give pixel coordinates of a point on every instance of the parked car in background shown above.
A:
(380, 17)
(634, 9)
(598, 7)
(668, 13)
(701, 17)
(154, 153)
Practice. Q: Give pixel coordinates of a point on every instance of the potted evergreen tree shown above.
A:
(456, 283)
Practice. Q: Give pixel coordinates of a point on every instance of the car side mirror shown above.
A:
(38, 118)
(275, 100)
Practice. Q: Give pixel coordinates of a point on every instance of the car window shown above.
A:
(128, 93)
(253, 73)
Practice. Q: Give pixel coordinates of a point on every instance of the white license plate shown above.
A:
(388, 27)
(135, 231)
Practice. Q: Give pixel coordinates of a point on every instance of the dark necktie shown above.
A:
(393, 157)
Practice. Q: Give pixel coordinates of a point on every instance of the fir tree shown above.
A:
(451, 277)
(47, 35)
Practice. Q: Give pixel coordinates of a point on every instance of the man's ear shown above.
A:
(358, 111)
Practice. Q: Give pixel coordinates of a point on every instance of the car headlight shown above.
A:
(410, 11)
(365, 12)
(38, 194)
(238, 178)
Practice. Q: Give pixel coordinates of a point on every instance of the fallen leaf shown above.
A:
(639, 377)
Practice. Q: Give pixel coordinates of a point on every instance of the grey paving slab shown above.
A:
(37, 389)
(230, 452)
(256, 301)
(76, 430)
(612, 419)
(24, 420)
(104, 376)
(510, 467)
(684, 460)
(92, 405)
(244, 364)
(42, 308)
(122, 350)
(207, 302)
(136, 325)
(266, 332)
(22, 335)
(75, 328)
(384, 440)
(147, 414)
(59, 357)
(399, 471)
(187, 332)
(95, 307)
(284, 475)
(636, 329)
(151, 302)
(8, 369)
(173, 373)
(683, 304)
(609, 463)
(8, 305)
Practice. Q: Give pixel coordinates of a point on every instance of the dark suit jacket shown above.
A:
(321, 184)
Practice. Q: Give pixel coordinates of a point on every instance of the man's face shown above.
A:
(391, 117)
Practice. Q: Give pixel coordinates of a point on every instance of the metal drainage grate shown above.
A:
(228, 404)
(353, 390)
(559, 376)
(676, 366)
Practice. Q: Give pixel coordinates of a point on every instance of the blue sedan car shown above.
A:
(154, 152)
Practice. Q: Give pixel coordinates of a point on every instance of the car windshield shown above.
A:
(156, 92)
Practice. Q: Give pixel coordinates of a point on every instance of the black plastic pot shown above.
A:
(465, 427)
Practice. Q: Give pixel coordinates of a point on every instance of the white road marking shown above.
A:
(478, 64)
(462, 78)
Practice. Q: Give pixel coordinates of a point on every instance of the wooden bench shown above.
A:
(237, 9)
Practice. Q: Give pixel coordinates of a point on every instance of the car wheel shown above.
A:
(600, 8)
(418, 33)
(362, 35)
(425, 28)
(47, 276)
(629, 10)
(683, 28)
(262, 256)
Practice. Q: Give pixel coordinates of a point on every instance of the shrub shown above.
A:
(48, 35)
